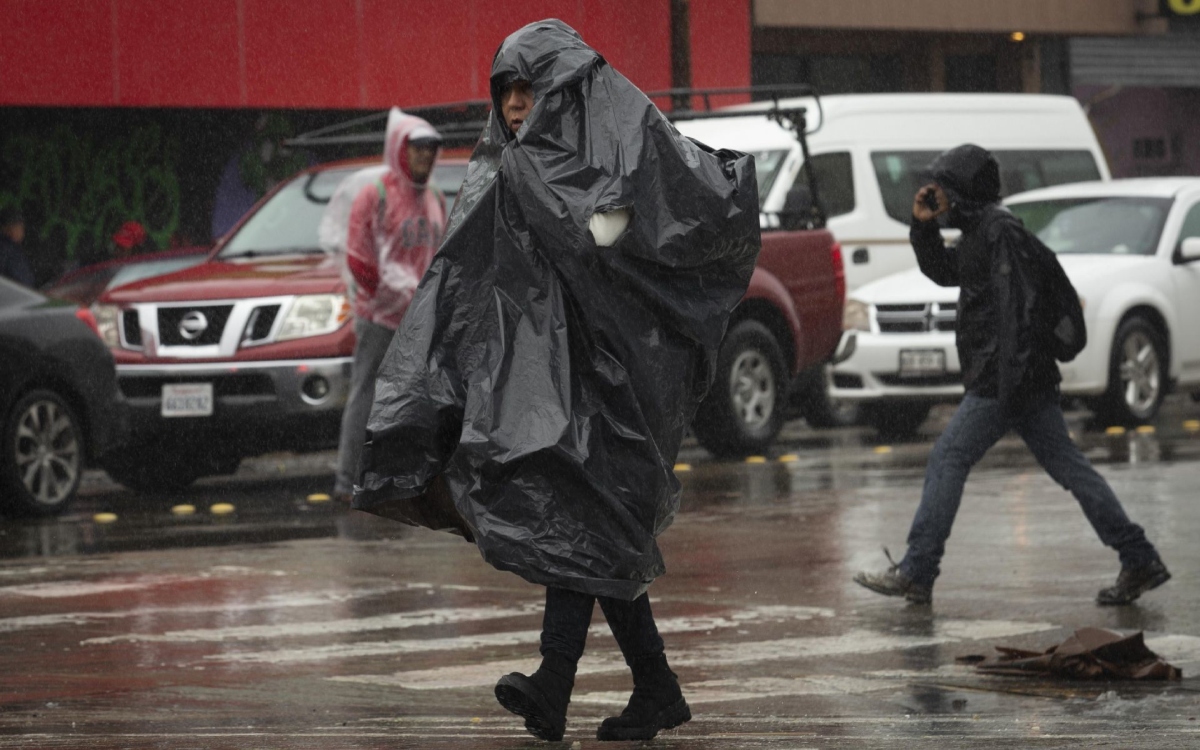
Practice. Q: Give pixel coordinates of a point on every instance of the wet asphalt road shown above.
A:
(289, 623)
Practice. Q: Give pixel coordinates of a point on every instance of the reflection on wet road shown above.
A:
(293, 622)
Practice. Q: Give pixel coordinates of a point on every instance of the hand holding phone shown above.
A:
(926, 205)
(930, 200)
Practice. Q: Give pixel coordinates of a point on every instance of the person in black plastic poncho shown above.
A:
(537, 392)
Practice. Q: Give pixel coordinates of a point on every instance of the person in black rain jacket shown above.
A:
(554, 355)
(1009, 374)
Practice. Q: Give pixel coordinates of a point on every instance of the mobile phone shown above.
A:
(930, 200)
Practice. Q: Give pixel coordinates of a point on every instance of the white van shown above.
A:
(868, 149)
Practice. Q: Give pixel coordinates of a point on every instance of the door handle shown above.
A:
(860, 255)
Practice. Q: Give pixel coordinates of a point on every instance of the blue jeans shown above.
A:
(977, 425)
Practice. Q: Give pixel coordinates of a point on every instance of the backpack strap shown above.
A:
(382, 210)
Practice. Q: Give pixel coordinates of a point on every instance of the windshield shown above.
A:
(767, 165)
(288, 222)
(1101, 226)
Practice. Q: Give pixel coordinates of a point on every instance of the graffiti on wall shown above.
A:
(76, 192)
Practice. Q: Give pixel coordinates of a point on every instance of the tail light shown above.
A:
(839, 270)
(86, 316)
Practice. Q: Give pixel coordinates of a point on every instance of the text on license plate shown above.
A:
(915, 362)
(187, 400)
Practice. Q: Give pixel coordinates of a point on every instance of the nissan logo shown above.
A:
(193, 325)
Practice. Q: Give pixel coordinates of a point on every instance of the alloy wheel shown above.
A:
(752, 388)
(48, 455)
(1140, 373)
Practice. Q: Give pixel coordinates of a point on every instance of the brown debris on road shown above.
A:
(1089, 654)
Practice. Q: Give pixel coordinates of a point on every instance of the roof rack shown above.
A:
(459, 123)
(792, 117)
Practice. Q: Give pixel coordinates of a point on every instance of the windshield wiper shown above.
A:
(276, 251)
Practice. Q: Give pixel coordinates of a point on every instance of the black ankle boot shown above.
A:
(657, 703)
(542, 697)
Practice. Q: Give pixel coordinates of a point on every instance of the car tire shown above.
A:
(1137, 374)
(744, 410)
(896, 420)
(43, 455)
(820, 410)
(150, 470)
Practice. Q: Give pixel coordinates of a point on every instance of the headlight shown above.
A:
(856, 316)
(108, 317)
(313, 315)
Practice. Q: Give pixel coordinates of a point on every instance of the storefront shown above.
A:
(931, 45)
(1142, 94)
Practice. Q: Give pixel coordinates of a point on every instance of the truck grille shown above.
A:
(917, 318)
(133, 329)
(192, 326)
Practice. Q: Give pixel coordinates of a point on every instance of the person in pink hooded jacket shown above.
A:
(394, 228)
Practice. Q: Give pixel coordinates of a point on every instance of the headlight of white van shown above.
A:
(108, 317)
(856, 316)
(314, 315)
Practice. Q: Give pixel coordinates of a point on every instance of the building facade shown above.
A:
(1133, 64)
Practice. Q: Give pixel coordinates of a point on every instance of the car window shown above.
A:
(899, 173)
(288, 222)
(767, 165)
(835, 182)
(1191, 223)
(449, 178)
(1102, 225)
(12, 293)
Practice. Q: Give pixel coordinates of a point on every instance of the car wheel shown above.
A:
(1137, 374)
(820, 410)
(896, 420)
(150, 470)
(43, 455)
(744, 410)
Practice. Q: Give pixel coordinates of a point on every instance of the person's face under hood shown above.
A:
(546, 56)
(402, 129)
(970, 177)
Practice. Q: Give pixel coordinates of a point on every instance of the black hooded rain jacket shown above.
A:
(994, 264)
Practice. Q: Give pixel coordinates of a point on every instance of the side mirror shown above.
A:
(1189, 249)
(797, 207)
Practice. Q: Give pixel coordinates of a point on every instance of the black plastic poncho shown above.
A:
(544, 384)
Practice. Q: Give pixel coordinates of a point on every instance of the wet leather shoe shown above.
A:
(541, 698)
(893, 582)
(657, 703)
(1133, 582)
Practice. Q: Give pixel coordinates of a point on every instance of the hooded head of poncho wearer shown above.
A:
(970, 177)
(541, 383)
(384, 227)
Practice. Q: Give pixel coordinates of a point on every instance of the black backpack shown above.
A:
(1059, 310)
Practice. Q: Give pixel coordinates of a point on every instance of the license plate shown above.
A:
(187, 400)
(918, 362)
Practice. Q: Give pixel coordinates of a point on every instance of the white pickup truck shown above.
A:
(1132, 250)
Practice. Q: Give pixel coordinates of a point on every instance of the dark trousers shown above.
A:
(977, 425)
(569, 615)
(372, 342)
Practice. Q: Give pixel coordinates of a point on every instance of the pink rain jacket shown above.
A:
(389, 245)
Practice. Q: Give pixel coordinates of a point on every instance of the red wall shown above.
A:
(321, 54)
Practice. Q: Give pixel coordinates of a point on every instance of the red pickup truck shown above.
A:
(250, 351)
